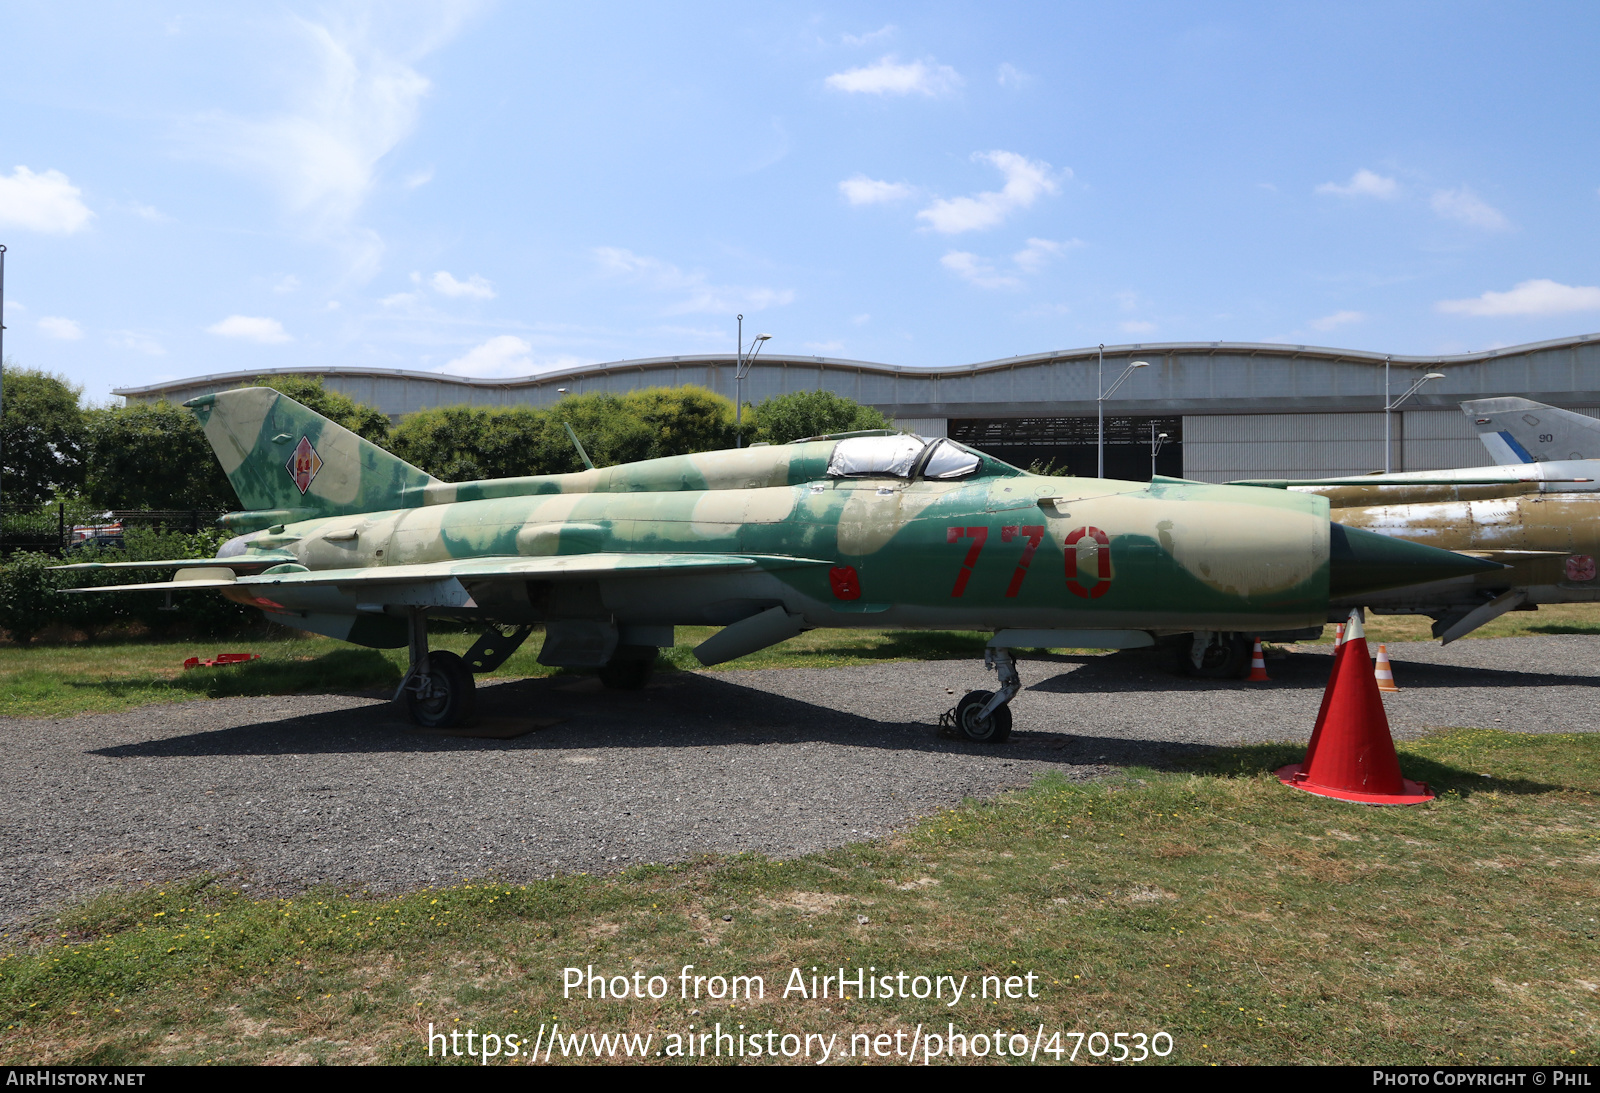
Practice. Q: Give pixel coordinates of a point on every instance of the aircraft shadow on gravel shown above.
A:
(672, 715)
(1143, 671)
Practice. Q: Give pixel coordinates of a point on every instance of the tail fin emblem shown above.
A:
(303, 465)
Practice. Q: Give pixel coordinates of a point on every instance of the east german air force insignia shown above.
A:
(303, 465)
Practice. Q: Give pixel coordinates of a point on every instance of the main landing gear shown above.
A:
(438, 686)
(984, 717)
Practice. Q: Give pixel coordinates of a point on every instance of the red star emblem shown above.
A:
(303, 464)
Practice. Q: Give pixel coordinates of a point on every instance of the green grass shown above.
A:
(1253, 923)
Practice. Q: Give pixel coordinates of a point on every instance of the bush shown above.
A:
(153, 455)
(800, 414)
(33, 597)
(29, 597)
(466, 444)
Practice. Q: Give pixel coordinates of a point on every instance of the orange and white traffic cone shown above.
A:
(1351, 755)
(1384, 673)
(1258, 666)
(1338, 635)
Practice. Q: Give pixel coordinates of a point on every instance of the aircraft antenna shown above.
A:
(578, 444)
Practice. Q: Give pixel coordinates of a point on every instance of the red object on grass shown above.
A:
(221, 660)
(1351, 756)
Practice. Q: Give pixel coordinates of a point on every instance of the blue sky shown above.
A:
(496, 189)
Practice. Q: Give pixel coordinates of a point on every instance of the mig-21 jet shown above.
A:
(342, 538)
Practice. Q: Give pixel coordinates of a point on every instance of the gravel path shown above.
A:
(289, 792)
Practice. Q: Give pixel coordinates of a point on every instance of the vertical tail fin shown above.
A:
(281, 456)
(1519, 430)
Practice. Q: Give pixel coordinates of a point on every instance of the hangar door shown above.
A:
(1066, 445)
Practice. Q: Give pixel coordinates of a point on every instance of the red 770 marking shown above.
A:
(1033, 535)
(979, 536)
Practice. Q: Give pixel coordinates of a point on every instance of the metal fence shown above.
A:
(57, 530)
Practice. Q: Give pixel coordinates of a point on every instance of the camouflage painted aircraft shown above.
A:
(1538, 514)
(862, 530)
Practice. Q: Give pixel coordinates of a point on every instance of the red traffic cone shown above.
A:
(1258, 666)
(1351, 756)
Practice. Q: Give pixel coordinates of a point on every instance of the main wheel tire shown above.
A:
(1227, 657)
(630, 668)
(447, 696)
(994, 729)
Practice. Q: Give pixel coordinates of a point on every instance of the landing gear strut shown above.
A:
(984, 717)
(437, 687)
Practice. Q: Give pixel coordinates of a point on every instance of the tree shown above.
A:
(41, 437)
(646, 424)
(152, 455)
(799, 414)
(363, 420)
(466, 444)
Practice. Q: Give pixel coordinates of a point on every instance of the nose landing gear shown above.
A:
(984, 717)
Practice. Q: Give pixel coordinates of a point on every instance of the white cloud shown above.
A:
(889, 77)
(1026, 180)
(821, 348)
(862, 190)
(399, 299)
(1011, 76)
(139, 343)
(870, 36)
(505, 355)
(861, 320)
(150, 213)
(473, 286)
(1338, 318)
(65, 329)
(353, 99)
(1363, 183)
(418, 178)
(696, 294)
(251, 329)
(1038, 253)
(47, 202)
(289, 283)
(1137, 326)
(1466, 207)
(979, 271)
(1541, 297)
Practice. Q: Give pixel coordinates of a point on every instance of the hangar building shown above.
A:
(1229, 409)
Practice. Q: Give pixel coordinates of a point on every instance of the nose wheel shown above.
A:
(984, 717)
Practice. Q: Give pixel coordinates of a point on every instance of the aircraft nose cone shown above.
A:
(1364, 561)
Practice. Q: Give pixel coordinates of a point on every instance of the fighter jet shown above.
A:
(1538, 514)
(342, 538)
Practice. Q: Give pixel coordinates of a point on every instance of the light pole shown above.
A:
(1156, 443)
(1100, 403)
(741, 368)
(1388, 409)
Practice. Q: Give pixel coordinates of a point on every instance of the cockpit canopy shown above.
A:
(900, 457)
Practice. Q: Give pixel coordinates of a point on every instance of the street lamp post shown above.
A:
(1100, 403)
(1157, 440)
(741, 368)
(1388, 409)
